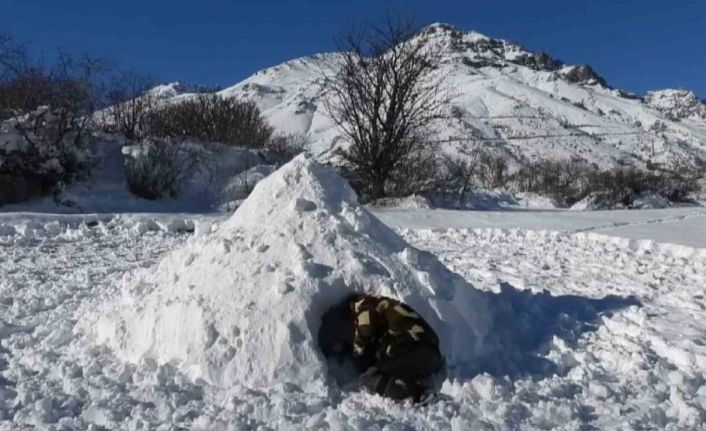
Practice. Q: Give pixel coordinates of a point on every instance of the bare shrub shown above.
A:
(417, 173)
(479, 168)
(23, 85)
(38, 167)
(565, 182)
(28, 171)
(233, 177)
(383, 93)
(214, 119)
(24, 93)
(684, 178)
(285, 146)
(74, 85)
(55, 134)
(568, 182)
(77, 88)
(13, 57)
(460, 176)
(158, 168)
(492, 170)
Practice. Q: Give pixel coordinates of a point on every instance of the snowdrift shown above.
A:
(242, 305)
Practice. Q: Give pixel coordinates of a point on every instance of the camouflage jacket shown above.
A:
(386, 328)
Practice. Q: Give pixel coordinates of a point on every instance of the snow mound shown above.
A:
(242, 305)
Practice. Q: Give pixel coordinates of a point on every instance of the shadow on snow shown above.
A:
(525, 323)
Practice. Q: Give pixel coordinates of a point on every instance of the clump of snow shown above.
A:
(242, 305)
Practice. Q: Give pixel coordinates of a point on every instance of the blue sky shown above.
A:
(637, 45)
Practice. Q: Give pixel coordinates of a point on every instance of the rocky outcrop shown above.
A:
(677, 104)
(583, 74)
(538, 61)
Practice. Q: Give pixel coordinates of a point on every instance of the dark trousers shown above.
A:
(401, 377)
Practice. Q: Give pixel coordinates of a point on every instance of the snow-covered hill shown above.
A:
(528, 105)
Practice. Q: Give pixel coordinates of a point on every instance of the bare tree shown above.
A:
(53, 109)
(460, 175)
(76, 90)
(383, 91)
(13, 57)
(24, 85)
(130, 104)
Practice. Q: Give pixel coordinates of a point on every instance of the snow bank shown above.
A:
(484, 200)
(242, 305)
(604, 201)
(499, 199)
(597, 202)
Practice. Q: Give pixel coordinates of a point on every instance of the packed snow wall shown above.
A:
(242, 305)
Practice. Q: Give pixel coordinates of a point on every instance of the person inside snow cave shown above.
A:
(392, 347)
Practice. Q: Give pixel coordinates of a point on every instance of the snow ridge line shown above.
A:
(634, 245)
(644, 245)
(641, 222)
(38, 226)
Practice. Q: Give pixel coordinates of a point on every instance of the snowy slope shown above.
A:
(526, 104)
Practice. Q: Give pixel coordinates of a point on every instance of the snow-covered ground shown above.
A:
(679, 226)
(588, 330)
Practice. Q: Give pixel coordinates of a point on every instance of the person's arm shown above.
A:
(367, 323)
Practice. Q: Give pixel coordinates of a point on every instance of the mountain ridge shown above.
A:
(528, 105)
